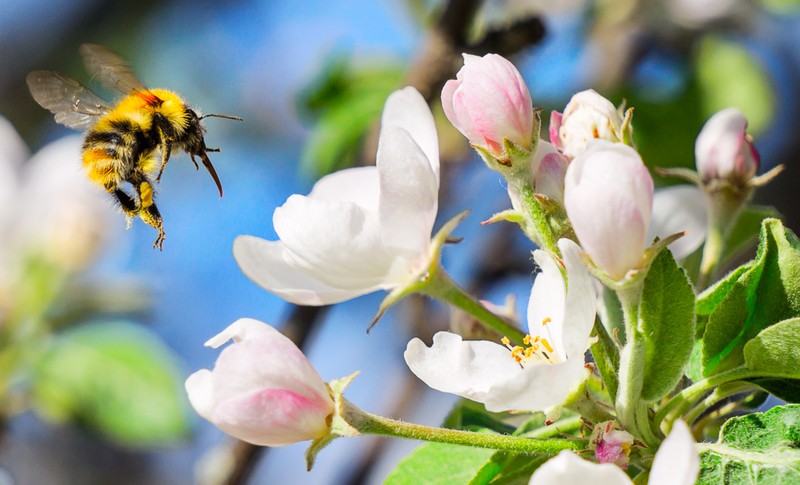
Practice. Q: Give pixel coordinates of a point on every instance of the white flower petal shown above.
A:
(265, 263)
(358, 185)
(407, 109)
(546, 305)
(465, 368)
(581, 304)
(676, 209)
(485, 372)
(200, 388)
(338, 242)
(677, 461)
(568, 469)
(408, 195)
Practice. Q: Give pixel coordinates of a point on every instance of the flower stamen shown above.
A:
(535, 348)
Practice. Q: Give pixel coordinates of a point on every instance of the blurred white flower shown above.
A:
(676, 463)
(359, 230)
(681, 208)
(534, 377)
(262, 390)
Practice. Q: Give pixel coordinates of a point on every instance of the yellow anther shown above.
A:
(546, 321)
(505, 341)
(547, 345)
(527, 340)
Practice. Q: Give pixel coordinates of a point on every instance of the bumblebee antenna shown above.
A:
(227, 117)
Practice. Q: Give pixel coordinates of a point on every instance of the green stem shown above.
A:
(724, 203)
(442, 287)
(716, 395)
(367, 423)
(536, 226)
(632, 411)
(681, 402)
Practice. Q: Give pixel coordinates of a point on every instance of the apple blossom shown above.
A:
(535, 377)
(359, 230)
(608, 196)
(262, 390)
(724, 151)
(488, 102)
(587, 116)
(675, 463)
(549, 172)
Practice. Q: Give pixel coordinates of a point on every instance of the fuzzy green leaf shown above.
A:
(115, 378)
(439, 464)
(666, 317)
(744, 235)
(776, 352)
(758, 448)
(767, 291)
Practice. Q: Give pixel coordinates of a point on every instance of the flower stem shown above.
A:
(442, 287)
(725, 204)
(682, 402)
(368, 423)
(536, 226)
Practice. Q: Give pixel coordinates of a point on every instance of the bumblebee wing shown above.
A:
(110, 69)
(73, 104)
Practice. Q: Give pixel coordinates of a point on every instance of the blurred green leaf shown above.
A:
(344, 102)
(117, 379)
(744, 234)
(730, 76)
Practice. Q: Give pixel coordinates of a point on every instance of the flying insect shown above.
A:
(120, 150)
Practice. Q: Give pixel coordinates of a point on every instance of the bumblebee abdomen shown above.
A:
(113, 148)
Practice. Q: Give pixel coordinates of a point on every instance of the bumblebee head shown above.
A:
(193, 142)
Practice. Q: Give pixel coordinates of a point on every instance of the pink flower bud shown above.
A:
(489, 101)
(262, 390)
(588, 116)
(724, 151)
(549, 168)
(608, 195)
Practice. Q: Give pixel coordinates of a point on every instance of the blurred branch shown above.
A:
(440, 56)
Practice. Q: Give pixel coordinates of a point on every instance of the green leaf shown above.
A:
(765, 292)
(345, 102)
(776, 352)
(117, 379)
(694, 370)
(758, 448)
(471, 415)
(666, 318)
(439, 464)
(508, 469)
(708, 301)
(744, 234)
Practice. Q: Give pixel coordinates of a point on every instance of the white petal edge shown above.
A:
(264, 262)
(200, 389)
(677, 461)
(409, 193)
(676, 209)
(358, 185)
(407, 109)
(568, 469)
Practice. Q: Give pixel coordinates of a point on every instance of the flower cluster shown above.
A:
(608, 281)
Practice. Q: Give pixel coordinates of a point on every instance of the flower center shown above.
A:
(537, 349)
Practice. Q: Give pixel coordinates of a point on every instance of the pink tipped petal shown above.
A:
(272, 417)
(357, 185)
(448, 93)
(568, 469)
(268, 265)
(677, 461)
(677, 209)
(556, 119)
(407, 109)
(722, 149)
(588, 116)
(409, 193)
(610, 176)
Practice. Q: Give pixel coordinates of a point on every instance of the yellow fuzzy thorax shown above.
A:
(139, 107)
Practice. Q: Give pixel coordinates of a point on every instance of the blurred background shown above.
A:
(100, 330)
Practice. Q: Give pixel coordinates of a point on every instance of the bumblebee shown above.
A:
(122, 141)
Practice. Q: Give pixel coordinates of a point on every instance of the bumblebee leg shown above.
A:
(149, 212)
(128, 205)
(166, 151)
